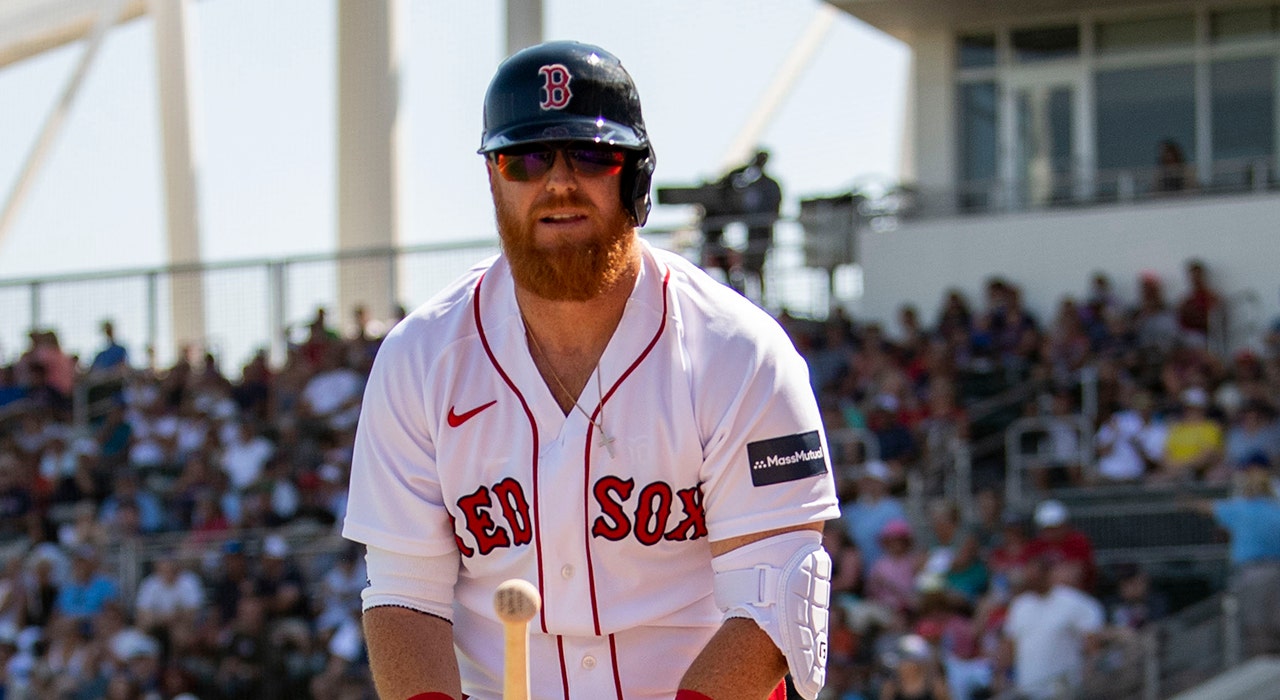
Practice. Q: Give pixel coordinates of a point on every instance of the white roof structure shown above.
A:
(31, 27)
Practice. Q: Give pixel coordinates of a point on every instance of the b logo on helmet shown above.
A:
(557, 86)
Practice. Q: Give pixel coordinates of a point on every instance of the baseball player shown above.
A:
(600, 419)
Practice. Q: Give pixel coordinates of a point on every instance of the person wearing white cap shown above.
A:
(917, 672)
(1050, 631)
(279, 581)
(873, 508)
(1068, 547)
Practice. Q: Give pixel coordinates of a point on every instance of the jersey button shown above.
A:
(588, 662)
(566, 571)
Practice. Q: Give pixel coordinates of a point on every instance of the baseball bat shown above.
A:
(516, 601)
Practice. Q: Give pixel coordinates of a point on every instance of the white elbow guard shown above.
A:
(784, 584)
(424, 584)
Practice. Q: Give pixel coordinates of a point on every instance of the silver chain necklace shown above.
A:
(604, 440)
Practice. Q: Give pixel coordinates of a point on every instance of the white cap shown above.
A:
(1195, 396)
(1050, 513)
(876, 469)
(275, 547)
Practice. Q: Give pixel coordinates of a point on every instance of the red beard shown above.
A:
(565, 271)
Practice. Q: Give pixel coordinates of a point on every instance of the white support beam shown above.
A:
(109, 12)
(524, 24)
(748, 138)
(32, 27)
(182, 212)
(368, 149)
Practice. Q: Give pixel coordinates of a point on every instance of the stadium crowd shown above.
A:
(218, 478)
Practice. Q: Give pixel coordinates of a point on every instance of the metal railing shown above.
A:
(1045, 454)
(258, 304)
(1108, 186)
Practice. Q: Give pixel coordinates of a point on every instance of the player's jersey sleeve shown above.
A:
(395, 500)
(765, 463)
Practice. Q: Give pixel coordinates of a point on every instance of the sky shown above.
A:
(264, 120)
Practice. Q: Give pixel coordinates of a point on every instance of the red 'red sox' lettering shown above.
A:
(650, 514)
(475, 511)
(499, 516)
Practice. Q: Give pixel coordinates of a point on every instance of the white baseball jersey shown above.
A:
(462, 448)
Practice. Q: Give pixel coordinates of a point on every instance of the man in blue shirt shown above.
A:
(1252, 519)
(871, 511)
(113, 356)
(84, 594)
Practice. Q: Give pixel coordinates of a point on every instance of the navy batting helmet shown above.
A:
(567, 91)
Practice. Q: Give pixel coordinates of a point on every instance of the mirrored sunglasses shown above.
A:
(533, 162)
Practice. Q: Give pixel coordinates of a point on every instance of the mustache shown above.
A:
(553, 202)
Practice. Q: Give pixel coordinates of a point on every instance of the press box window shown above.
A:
(977, 51)
(1045, 43)
(1176, 31)
(1244, 23)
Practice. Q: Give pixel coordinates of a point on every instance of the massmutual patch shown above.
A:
(786, 458)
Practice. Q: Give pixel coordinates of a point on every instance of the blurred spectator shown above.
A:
(245, 455)
(967, 575)
(113, 358)
(59, 367)
(40, 593)
(83, 527)
(874, 507)
(278, 583)
(170, 595)
(1195, 441)
(70, 660)
(955, 315)
(1171, 167)
(1050, 632)
(1199, 304)
(130, 494)
(1057, 460)
(339, 589)
(231, 581)
(916, 672)
(16, 498)
(897, 444)
(1252, 520)
(944, 621)
(1130, 441)
(88, 590)
(1154, 322)
(320, 338)
(891, 582)
(1135, 603)
(1254, 431)
(244, 652)
(1065, 546)
(944, 536)
(11, 392)
(252, 394)
(331, 398)
(1012, 550)
(114, 435)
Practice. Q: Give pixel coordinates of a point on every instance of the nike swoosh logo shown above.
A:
(457, 419)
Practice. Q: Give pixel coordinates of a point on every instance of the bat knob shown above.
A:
(516, 600)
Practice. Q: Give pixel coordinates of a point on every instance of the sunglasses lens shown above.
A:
(596, 162)
(525, 165)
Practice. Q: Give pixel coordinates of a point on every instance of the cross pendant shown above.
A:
(607, 443)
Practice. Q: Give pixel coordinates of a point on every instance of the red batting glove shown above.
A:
(690, 695)
(430, 696)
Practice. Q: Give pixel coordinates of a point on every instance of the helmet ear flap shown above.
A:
(636, 181)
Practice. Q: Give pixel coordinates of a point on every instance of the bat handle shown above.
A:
(515, 677)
